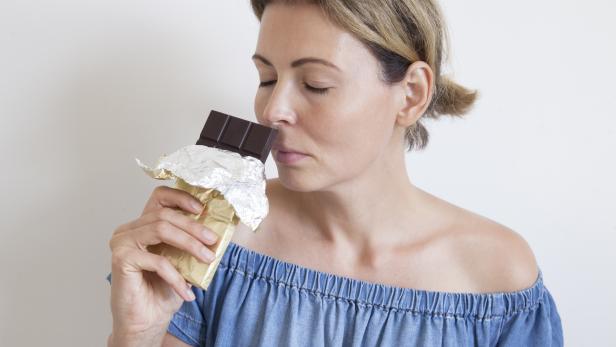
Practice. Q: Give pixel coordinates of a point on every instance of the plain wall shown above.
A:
(86, 87)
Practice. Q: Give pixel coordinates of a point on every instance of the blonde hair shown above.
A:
(398, 33)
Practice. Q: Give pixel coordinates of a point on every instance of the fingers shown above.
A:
(165, 232)
(162, 221)
(164, 196)
(151, 262)
(187, 224)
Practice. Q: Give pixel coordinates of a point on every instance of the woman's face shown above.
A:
(320, 87)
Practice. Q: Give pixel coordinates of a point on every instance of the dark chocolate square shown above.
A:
(237, 135)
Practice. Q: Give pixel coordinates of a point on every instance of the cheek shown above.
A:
(361, 123)
(259, 105)
(351, 142)
(346, 137)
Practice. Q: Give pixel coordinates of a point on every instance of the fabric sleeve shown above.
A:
(536, 326)
(188, 324)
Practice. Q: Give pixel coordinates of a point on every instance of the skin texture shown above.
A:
(349, 207)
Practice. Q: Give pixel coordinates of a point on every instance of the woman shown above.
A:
(351, 253)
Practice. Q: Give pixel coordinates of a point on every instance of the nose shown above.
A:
(278, 110)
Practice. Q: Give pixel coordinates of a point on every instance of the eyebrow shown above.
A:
(298, 62)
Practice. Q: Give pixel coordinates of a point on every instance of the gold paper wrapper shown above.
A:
(230, 187)
(219, 216)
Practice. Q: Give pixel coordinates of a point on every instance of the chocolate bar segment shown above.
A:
(237, 135)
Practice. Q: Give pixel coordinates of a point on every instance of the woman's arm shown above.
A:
(172, 341)
(168, 341)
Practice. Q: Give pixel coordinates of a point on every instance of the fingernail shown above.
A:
(208, 255)
(190, 294)
(197, 206)
(210, 236)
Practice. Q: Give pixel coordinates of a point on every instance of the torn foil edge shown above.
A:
(240, 179)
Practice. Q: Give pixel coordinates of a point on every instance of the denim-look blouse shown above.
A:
(257, 300)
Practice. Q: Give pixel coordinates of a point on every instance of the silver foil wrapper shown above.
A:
(240, 179)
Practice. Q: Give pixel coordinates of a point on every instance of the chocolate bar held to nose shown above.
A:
(225, 171)
(237, 135)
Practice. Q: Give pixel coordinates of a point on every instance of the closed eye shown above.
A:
(306, 85)
(267, 83)
(316, 90)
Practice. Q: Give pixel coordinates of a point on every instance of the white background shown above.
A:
(85, 87)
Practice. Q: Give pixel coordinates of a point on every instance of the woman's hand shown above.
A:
(146, 289)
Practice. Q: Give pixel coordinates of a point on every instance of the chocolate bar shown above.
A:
(231, 187)
(237, 135)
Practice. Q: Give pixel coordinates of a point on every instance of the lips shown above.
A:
(286, 149)
(288, 158)
(287, 155)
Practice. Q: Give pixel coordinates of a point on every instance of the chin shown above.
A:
(298, 181)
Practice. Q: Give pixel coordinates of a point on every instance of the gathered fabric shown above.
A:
(257, 300)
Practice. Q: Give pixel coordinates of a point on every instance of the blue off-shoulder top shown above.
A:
(257, 300)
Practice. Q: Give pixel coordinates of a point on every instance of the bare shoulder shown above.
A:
(495, 257)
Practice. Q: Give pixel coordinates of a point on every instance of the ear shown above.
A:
(416, 90)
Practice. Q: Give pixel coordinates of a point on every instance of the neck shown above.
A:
(371, 210)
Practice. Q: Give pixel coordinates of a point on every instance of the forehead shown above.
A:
(292, 31)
